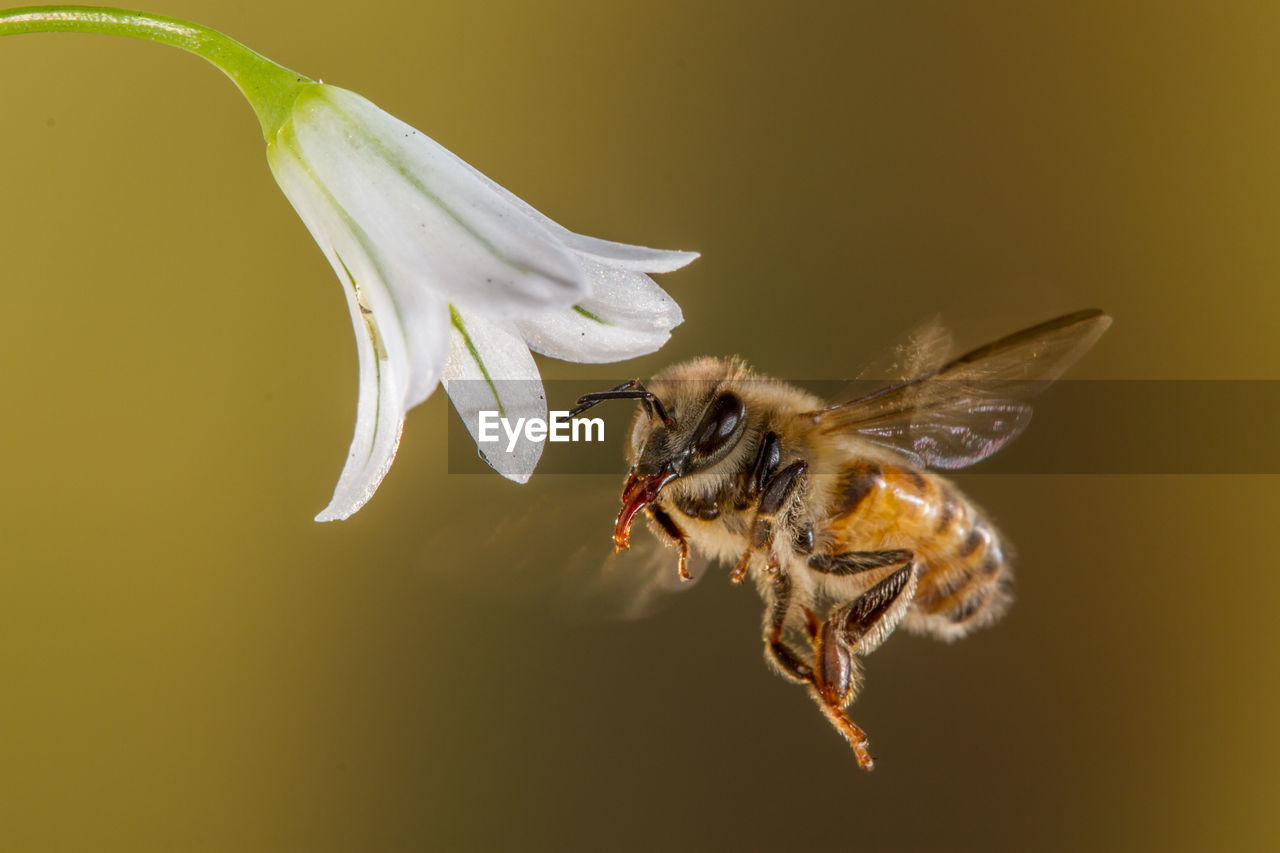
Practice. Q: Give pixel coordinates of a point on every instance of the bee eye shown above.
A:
(719, 424)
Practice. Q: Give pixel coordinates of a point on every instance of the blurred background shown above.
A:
(187, 661)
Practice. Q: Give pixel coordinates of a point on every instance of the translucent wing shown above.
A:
(949, 434)
(967, 409)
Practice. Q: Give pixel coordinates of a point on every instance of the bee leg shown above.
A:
(786, 661)
(851, 631)
(676, 536)
(866, 621)
(766, 463)
(834, 685)
(775, 497)
(812, 626)
(857, 562)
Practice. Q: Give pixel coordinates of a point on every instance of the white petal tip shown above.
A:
(662, 260)
(359, 481)
(341, 510)
(626, 256)
(683, 259)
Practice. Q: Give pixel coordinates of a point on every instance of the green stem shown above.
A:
(270, 88)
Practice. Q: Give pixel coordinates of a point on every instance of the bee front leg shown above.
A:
(776, 497)
(676, 536)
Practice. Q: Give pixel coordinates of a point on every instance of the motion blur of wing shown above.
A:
(634, 583)
(922, 350)
(549, 545)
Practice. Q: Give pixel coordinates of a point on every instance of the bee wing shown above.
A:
(550, 545)
(921, 351)
(969, 408)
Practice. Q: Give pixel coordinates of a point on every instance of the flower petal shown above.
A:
(395, 373)
(435, 223)
(490, 369)
(627, 315)
(621, 255)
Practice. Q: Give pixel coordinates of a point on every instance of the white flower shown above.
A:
(451, 278)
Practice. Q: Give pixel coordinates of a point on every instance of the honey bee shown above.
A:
(831, 509)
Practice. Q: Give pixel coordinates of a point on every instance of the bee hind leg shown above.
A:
(865, 622)
(848, 729)
(854, 630)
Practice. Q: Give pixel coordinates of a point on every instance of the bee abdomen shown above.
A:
(964, 585)
(964, 580)
(857, 484)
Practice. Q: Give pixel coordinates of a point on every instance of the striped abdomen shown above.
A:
(963, 577)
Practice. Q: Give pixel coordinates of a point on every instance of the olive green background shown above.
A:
(188, 662)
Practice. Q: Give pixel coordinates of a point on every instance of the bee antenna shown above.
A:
(632, 390)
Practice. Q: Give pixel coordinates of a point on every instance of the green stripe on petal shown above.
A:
(585, 313)
(456, 319)
(490, 369)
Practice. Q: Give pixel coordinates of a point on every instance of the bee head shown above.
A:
(688, 422)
